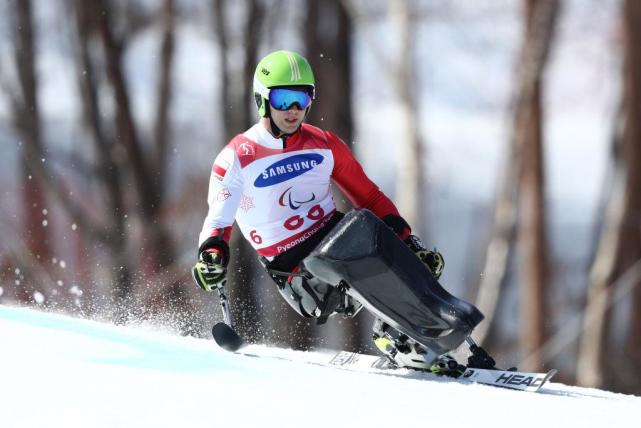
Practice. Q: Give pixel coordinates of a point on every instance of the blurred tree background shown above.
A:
(508, 133)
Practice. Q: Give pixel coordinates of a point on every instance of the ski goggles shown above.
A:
(284, 99)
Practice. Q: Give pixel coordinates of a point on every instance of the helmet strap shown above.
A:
(276, 131)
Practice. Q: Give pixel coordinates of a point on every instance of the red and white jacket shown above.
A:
(279, 197)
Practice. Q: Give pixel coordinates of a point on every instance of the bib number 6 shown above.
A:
(255, 237)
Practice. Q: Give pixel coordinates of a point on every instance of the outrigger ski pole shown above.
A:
(224, 305)
(223, 332)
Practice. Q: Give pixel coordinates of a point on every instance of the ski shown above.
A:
(521, 381)
(223, 332)
(228, 340)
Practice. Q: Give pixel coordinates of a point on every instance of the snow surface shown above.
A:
(59, 371)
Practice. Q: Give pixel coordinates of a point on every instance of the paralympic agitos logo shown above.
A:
(286, 199)
(287, 169)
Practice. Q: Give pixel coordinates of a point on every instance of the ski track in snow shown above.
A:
(59, 371)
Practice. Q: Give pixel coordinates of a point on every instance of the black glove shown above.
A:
(432, 258)
(210, 272)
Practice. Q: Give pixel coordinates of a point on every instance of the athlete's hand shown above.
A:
(432, 258)
(210, 272)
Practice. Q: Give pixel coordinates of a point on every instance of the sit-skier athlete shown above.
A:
(274, 181)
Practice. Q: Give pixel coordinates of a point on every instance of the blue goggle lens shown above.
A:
(284, 99)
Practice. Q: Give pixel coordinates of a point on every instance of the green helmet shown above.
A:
(280, 68)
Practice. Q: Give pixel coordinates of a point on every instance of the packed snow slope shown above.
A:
(59, 371)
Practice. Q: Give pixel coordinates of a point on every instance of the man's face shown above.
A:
(288, 121)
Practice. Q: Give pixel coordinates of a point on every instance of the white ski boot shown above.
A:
(403, 352)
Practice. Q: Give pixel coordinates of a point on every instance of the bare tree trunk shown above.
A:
(525, 142)
(541, 17)
(253, 32)
(162, 127)
(501, 244)
(227, 125)
(632, 137)
(164, 254)
(410, 189)
(125, 126)
(620, 245)
(27, 121)
(532, 238)
(597, 312)
(328, 32)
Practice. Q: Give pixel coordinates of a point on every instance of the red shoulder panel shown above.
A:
(248, 151)
(308, 137)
